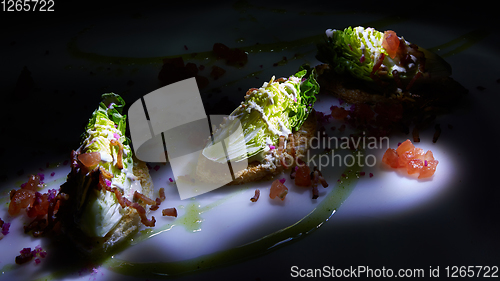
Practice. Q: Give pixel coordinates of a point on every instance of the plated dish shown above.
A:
(222, 226)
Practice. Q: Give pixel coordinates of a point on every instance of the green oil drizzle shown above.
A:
(273, 241)
(208, 56)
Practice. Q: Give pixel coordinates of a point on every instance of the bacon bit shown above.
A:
(256, 196)
(171, 212)
(106, 174)
(89, 159)
(119, 197)
(416, 137)
(119, 161)
(250, 91)
(281, 145)
(162, 194)
(315, 192)
(156, 206)
(317, 177)
(103, 184)
(38, 226)
(290, 146)
(142, 213)
(54, 207)
(144, 198)
(377, 65)
(410, 84)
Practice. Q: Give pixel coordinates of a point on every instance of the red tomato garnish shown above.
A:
(90, 159)
(429, 169)
(414, 166)
(40, 205)
(278, 189)
(414, 153)
(390, 43)
(21, 199)
(412, 158)
(339, 113)
(303, 175)
(33, 183)
(391, 158)
(405, 146)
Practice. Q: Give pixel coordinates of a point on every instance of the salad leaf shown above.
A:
(371, 55)
(100, 208)
(276, 109)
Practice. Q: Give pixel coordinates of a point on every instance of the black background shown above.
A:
(417, 240)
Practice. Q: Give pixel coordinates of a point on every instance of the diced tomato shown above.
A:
(33, 183)
(428, 155)
(405, 146)
(391, 158)
(278, 189)
(390, 43)
(339, 113)
(21, 199)
(414, 166)
(90, 159)
(414, 153)
(412, 158)
(303, 175)
(429, 169)
(40, 205)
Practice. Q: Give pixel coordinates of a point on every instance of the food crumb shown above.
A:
(171, 212)
(256, 196)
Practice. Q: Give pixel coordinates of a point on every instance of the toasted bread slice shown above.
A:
(130, 222)
(271, 166)
(436, 93)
